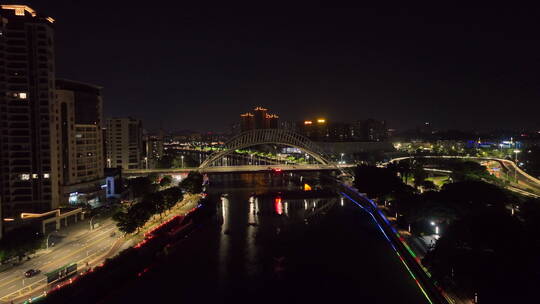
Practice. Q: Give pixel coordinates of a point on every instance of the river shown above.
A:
(268, 245)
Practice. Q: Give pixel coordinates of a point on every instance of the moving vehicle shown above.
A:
(31, 272)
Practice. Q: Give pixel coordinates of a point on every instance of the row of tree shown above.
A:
(149, 201)
(481, 241)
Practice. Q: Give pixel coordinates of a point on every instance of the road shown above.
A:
(526, 184)
(239, 169)
(79, 246)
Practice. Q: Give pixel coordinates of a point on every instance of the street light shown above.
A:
(146, 162)
(516, 161)
(91, 225)
(342, 158)
(182, 158)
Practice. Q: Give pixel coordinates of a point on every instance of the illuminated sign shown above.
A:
(308, 122)
(321, 120)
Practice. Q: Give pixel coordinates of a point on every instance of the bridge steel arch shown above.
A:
(269, 136)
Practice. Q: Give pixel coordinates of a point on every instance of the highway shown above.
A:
(80, 246)
(526, 184)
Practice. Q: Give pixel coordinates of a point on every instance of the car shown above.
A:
(31, 272)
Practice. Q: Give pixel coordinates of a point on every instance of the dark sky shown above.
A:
(199, 67)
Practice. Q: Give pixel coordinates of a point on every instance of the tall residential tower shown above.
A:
(79, 121)
(124, 143)
(28, 164)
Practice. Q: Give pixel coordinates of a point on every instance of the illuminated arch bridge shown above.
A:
(269, 136)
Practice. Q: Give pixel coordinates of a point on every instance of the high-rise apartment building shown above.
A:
(247, 122)
(124, 143)
(28, 164)
(154, 149)
(78, 124)
(259, 119)
(316, 129)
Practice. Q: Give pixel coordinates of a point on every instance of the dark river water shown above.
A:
(269, 247)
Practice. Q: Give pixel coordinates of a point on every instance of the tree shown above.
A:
(165, 181)
(376, 182)
(474, 195)
(171, 196)
(140, 213)
(469, 171)
(419, 175)
(404, 170)
(192, 183)
(141, 186)
(480, 252)
(124, 222)
(428, 185)
(154, 203)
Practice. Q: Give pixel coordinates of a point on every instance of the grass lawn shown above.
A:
(439, 181)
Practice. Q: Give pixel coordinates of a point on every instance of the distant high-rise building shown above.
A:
(28, 160)
(247, 122)
(124, 143)
(154, 149)
(370, 130)
(272, 121)
(339, 131)
(259, 119)
(316, 129)
(78, 126)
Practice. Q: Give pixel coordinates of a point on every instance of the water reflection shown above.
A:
(253, 228)
(224, 240)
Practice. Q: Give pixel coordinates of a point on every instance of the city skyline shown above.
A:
(341, 151)
(459, 68)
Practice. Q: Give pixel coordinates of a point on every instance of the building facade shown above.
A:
(154, 149)
(124, 143)
(79, 121)
(28, 160)
(259, 119)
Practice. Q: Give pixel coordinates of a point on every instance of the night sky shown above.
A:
(199, 67)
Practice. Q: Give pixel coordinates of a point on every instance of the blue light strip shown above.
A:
(389, 241)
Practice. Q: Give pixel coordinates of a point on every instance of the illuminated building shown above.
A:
(247, 122)
(124, 143)
(315, 129)
(78, 124)
(370, 130)
(28, 171)
(272, 120)
(259, 119)
(154, 148)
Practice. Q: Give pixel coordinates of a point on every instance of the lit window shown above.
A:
(46, 175)
(25, 176)
(34, 175)
(22, 95)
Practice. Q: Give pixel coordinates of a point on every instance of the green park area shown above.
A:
(481, 226)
